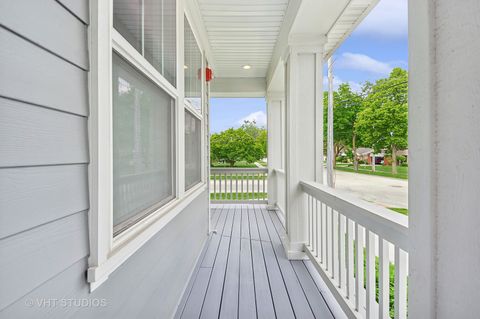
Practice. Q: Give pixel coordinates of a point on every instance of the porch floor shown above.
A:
(244, 273)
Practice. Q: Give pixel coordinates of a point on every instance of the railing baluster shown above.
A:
(342, 249)
(335, 263)
(371, 285)
(384, 278)
(314, 227)
(360, 291)
(400, 283)
(231, 188)
(215, 186)
(328, 240)
(248, 194)
(318, 209)
(324, 235)
(264, 190)
(309, 223)
(220, 186)
(236, 186)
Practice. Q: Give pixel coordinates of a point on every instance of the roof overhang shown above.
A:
(257, 32)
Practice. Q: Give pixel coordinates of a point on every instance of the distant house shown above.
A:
(365, 154)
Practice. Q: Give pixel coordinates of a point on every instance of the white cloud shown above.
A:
(355, 86)
(259, 117)
(388, 19)
(362, 62)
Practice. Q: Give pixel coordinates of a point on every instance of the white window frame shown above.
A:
(107, 252)
(200, 114)
(188, 105)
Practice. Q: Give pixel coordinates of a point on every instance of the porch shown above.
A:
(243, 271)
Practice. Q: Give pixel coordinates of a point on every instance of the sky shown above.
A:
(379, 44)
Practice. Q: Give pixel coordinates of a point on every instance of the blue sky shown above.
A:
(379, 44)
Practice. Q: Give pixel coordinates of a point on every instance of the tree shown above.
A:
(346, 107)
(259, 134)
(234, 145)
(383, 123)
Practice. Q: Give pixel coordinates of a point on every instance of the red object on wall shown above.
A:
(208, 74)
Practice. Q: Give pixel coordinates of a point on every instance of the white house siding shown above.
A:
(44, 180)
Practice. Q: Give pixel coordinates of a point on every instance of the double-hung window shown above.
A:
(143, 112)
(193, 66)
(137, 118)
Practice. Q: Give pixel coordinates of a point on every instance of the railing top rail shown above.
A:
(238, 170)
(389, 225)
(279, 171)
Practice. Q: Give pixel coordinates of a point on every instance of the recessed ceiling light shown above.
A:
(246, 67)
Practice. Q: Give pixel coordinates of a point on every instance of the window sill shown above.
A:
(131, 240)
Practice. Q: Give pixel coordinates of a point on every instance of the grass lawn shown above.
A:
(241, 164)
(241, 196)
(380, 170)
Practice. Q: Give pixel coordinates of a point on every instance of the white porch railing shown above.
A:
(344, 232)
(238, 185)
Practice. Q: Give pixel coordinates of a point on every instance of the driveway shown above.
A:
(385, 191)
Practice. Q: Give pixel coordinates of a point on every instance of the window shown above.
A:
(142, 145)
(150, 27)
(136, 180)
(193, 69)
(193, 150)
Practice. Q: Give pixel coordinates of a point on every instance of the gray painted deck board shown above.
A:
(253, 223)
(246, 299)
(211, 253)
(262, 229)
(319, 309)
(229, 307)
(279, 292)
(193, 307)
(237, 224)
(297, 296)
(227, 229)
(245, 228)
(252, 278)
(263, 295)
(213, 297)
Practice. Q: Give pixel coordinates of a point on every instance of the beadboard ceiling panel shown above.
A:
(242, 32)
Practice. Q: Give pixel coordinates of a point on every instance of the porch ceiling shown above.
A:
(242, 33)
(256, 33)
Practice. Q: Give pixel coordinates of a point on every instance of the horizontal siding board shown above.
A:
(33, 196)
(148, 285)
(40, 24)
(31, 258)
(31, 74)
(78, 7)
(69, 284)
(32, 135)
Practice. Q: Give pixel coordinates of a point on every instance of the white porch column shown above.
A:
(304, 131)
(444, 150)
(275, 101)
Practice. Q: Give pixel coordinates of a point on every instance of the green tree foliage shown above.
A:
(259, 134)
(247, 143)
(346, 107)
(383, 123)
